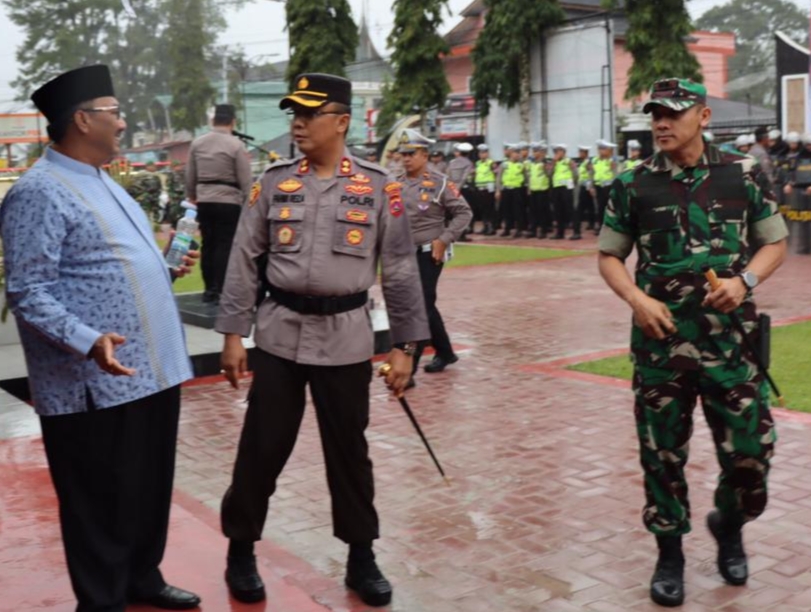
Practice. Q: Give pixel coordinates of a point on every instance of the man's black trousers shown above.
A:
(218, 225)
(275, 409)
(429, 275)
(113, 471)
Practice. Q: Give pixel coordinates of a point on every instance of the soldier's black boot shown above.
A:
(667, 583)
(365, 578)
(731, 556)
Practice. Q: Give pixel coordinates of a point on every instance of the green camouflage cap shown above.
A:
(677, 94)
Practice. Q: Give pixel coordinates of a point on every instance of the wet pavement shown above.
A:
(544, 509)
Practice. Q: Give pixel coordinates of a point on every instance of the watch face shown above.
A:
(749, 279)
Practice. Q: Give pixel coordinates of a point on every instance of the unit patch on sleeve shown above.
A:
(256, 191)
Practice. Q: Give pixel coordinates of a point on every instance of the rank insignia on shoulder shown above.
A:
(286, 234)
(304, 166)
(346, 166)
(256, 191)
(284, 213)
(359, 216)
(360, 178)
(354, 236)
(359, 189)
(291, 185)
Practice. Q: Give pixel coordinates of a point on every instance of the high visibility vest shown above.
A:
(513, 175)
(583, 171)
(562, 175)
(538, 179)
(630, 164)
(603, 173)
(484, 173)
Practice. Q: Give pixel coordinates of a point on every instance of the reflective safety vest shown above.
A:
(538, 179)
(562, 175)
(583, 171)
(484, 173)
(603, 173)
(513, 175)
(630, 164)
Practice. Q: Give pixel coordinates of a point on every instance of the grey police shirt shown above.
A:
(324, 238)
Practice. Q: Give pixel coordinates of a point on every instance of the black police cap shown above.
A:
(315, 89)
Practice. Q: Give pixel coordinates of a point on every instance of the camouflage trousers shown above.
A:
(735, 400)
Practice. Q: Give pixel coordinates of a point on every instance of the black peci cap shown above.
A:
(67, 90)
(316, 89)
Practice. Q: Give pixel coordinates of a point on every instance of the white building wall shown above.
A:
(567, 75)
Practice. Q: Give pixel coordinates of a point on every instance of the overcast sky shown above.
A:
(258, 27)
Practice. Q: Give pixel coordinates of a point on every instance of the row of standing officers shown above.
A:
(538, 190)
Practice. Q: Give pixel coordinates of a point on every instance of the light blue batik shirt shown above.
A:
(81, 260)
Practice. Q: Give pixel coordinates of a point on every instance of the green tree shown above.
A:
(60, 36)
(656, 38)
(501, 57)
(754, 23)
(419, 78)
(323, 37)
(192, 93)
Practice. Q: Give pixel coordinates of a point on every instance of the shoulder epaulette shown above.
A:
(367, 165)
(281, 163)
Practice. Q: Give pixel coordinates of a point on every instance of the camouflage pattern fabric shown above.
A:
(735, 400)
(681, 220)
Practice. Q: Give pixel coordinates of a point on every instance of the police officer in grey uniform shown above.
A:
(460, 171)
(218, 180)
(326, 219)
(438, 215)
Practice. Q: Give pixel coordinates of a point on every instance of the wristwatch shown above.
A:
(409, 348)
(749, 279)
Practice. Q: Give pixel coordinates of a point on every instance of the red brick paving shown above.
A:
(544, 511)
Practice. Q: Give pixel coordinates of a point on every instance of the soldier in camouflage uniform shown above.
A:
(690, 207)
(145, 189)
(176, 188)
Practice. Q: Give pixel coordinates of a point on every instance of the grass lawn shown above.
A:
(791, 365)
(464, 255)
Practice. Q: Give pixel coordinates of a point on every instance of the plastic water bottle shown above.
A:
(186, 229)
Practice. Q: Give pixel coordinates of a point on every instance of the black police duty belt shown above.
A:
(226, 183)
(317, 304)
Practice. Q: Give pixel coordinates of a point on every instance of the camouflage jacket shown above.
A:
(682, 220)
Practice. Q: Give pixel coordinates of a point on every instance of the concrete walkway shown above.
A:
(544, 510)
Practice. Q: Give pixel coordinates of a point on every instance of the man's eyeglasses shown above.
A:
(113, 110)
(310, 114)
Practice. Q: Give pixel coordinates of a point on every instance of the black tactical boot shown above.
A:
(731, 556)
(364, 577)
(667, 583)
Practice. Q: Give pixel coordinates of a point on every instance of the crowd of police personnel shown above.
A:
(786, 163)
(536, 190)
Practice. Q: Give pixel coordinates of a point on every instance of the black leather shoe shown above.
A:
(575, 237)
(438, 364)
(171, 598)
(244, 582)
(369, 583)
(731, 556)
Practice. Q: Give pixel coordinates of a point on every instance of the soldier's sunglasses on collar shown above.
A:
(113, 110)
